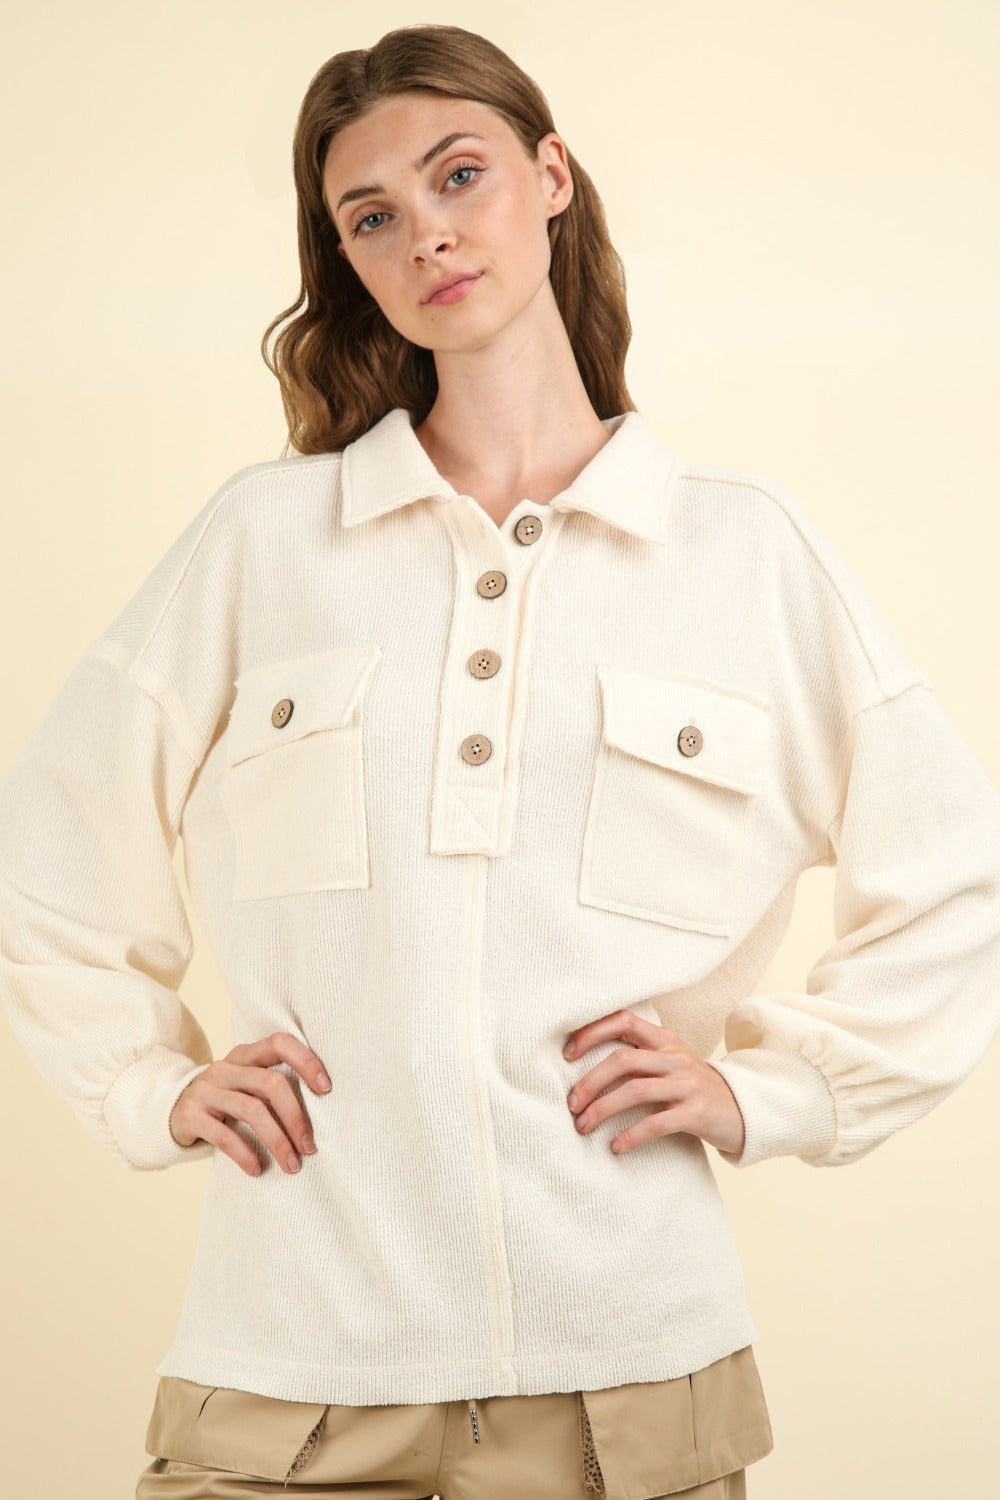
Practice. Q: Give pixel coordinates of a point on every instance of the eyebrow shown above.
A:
(418, 166)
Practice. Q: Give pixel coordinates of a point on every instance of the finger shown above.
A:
(281, 1046)
(276, 1090)
(264, 1083)
(620, 1063)
(638, 1091)
(226, 1140)
(624, 1024)
(671, 1119)
(255, 1113)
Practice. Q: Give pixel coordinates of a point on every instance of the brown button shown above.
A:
(528, 529)
(281, 712)
(689, 741)
(484, 663)
(476, 748)
(491, 585)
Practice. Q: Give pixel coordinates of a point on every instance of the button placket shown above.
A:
(473, 812)
(484, 663)
(476, 749)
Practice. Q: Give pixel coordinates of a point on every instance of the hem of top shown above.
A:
(458, 1380)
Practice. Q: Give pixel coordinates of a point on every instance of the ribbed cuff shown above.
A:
(138, 1104)
(785, 1102)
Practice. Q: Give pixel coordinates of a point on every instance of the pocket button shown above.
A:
(282, 712)
(690, 740)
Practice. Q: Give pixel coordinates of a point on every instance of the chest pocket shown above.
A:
(679, 768)
(293, 784)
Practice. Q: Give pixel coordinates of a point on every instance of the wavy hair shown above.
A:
(340, 363)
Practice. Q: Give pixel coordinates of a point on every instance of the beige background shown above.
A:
(805, 196)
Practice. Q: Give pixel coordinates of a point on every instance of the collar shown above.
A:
(628, 483)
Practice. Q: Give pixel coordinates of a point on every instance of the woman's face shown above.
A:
(423, 188)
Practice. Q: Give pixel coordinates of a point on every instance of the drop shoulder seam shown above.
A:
(227, 488)
(242, 477)
(867, 708)
(113, 655)
(916, 682)
(771, 492)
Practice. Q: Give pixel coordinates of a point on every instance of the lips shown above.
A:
(458, 284)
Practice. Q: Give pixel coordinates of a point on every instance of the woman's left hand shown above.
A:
(695, 1097)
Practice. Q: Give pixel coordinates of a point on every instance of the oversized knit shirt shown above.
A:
(448, 791)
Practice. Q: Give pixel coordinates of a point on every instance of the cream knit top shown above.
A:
(447, 792)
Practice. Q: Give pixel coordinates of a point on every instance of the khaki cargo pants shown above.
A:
(688, 1437)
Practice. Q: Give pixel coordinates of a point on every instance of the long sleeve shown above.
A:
(94, 937)
(906, 1000)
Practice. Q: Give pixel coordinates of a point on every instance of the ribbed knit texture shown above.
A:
(434, 927)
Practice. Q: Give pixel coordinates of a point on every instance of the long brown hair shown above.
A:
(340, 363)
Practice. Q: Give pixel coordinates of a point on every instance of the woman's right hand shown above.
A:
(242, 1086)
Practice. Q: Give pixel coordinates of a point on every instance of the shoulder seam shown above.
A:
(866, 708)
(770, 491)
(916, 682)
(118, 657)
(228, 487)
(292, 460)
(132, 662)
(223, 492)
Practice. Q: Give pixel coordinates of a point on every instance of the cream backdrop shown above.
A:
(805, 198)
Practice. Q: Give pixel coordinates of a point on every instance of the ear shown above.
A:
(556, 178)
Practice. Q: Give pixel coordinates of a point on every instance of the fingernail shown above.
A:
(569, 1049)
(322, 1081)
(293, 1163)
(573, 1101)
(308, 1144)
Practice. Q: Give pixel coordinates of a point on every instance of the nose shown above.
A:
(430, 234)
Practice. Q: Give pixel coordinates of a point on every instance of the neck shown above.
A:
(513, 407)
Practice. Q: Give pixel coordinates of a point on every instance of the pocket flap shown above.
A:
(323, 691)
(652, 1439)
(235, 1430)
(644, 715)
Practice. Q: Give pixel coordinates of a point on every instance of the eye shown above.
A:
(465, 167)
(364, 220)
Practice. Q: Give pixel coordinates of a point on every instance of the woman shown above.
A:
(498, 739)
